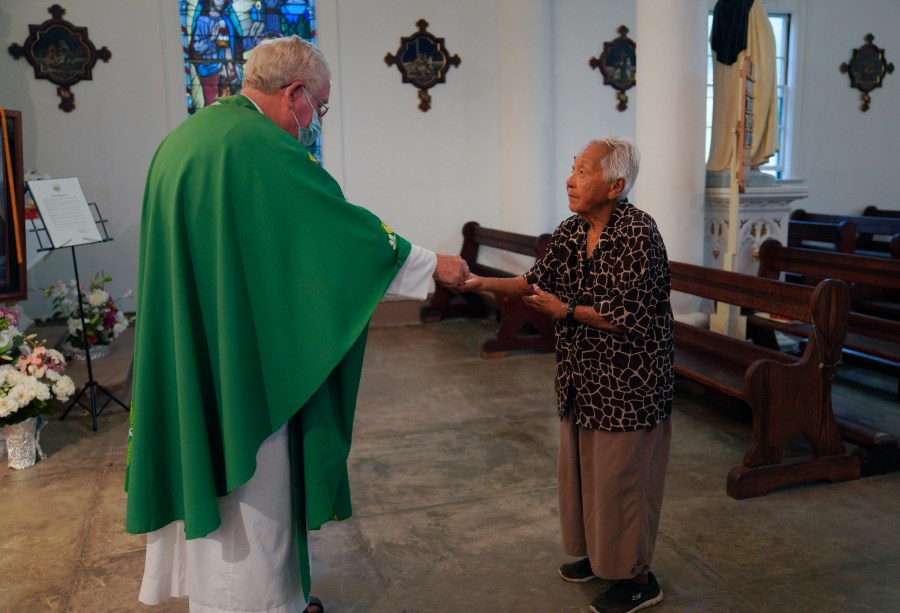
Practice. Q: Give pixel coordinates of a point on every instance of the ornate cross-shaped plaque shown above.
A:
(61, 53)
(618, 65)
(867, 68)
(423, 60)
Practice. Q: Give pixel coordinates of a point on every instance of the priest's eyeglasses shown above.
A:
(321, 107)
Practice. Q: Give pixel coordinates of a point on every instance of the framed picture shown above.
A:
(867, 68)
(423, 61)
(60, 52)
(618, 65)
(12, 211)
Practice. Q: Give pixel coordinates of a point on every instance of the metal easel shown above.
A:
(91, 387)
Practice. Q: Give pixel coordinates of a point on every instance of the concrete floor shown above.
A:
(453, 477)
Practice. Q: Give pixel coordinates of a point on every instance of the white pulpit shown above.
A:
(762, 212)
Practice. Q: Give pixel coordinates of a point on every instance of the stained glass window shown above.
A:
(218, 37)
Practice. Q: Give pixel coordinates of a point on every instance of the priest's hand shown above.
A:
(451, 272)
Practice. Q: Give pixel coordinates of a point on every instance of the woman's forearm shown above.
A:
(587, 315)
(512, 286)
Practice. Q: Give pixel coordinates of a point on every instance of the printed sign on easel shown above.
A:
(65, 212)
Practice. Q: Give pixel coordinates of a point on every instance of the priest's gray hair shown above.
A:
(621, 160)
(276, 62)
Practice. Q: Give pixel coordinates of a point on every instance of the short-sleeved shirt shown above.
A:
(616, 381)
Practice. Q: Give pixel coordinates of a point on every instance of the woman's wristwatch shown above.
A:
(570, 313)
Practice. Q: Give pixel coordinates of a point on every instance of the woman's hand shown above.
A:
(475, 283)
(546, 302)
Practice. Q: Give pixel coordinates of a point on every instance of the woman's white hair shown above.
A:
(621, 160)
(276, 62)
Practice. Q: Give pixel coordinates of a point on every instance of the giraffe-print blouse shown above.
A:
(612, 381)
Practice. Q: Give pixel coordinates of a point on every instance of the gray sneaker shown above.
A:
(577, 572)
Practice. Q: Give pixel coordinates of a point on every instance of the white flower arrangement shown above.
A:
(104, 319)
(31, 377)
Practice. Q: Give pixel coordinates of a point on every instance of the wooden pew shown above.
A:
(894, 245)
(520, 327)
(874, 281)
(835, 236)
(788, 395)
(870, 240)
(868, 228)
(873, 342)
(874, 211)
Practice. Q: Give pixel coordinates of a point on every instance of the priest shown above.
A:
(257, 280)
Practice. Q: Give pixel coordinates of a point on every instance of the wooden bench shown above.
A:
(520, 327)
(870, 235)
(874, 211)
(871, 341)
(788, 395)
(868, 229)
(894, 244)
(834, 236)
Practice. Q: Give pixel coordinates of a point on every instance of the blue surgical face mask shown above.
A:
(308, 136)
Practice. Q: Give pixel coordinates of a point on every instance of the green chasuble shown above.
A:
(257, 281)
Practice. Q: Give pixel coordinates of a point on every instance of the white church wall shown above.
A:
(498, 142)
(107, 141)
(848, 157)
(424, 173)
(584, 107)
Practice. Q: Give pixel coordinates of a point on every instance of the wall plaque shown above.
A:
(60, 52)
(867, 68)
(618, 65)
(423, 60)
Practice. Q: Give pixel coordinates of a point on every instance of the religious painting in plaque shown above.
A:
(60, 52)
(618, 64)
(423, 61)
(12, 209)
(867, 68)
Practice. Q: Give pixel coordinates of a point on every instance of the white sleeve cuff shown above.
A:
(413, 280)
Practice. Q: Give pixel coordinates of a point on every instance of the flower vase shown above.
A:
(76, 353)
(22, 442)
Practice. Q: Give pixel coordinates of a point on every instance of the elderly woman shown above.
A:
(605, 279)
